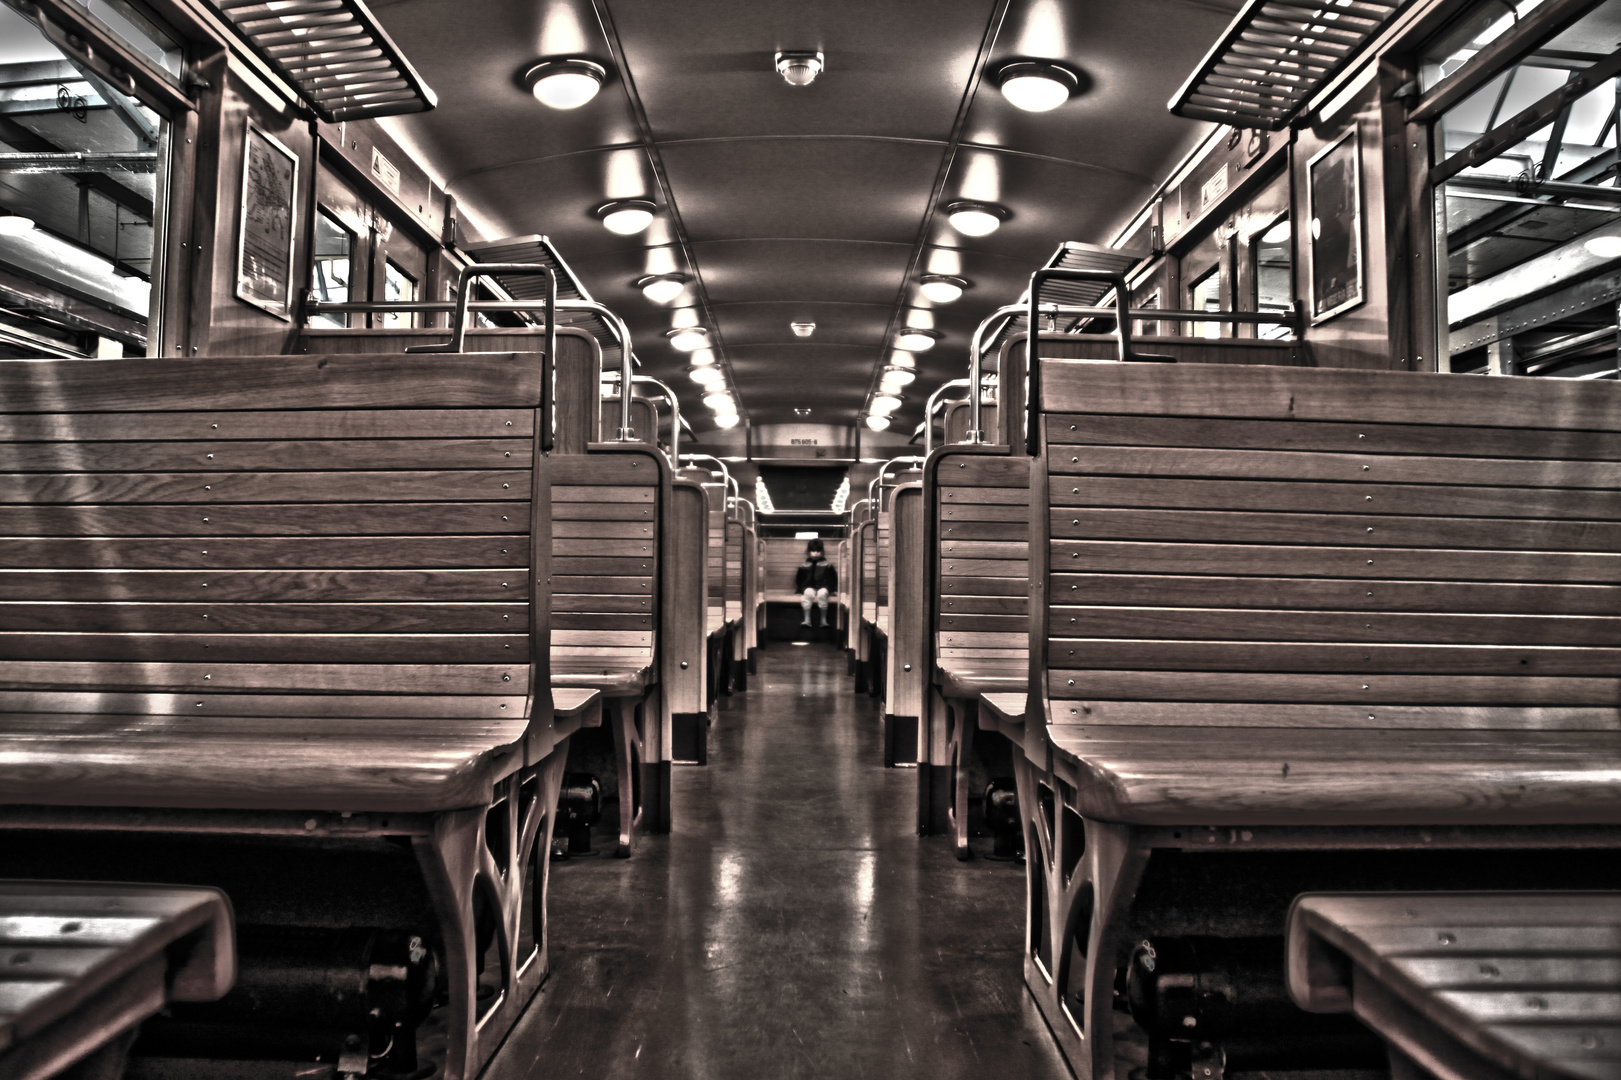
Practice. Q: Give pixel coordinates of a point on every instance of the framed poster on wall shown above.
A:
(1334, 207)
(264, 253)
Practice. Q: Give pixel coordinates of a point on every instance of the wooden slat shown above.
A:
(1222, 433)
(629, 586)
(1332, 394)
(263, 586)
(598, 602)
(604, 469)
(267, 425)
(1086, 556)
(602, 567)
(984, 640)
(336, 381)
(594, 653)
(978, 653)
(296, 487)
(598, 620)
(994, 496)
(264, 456)
(1102, 654)
(1376, 530)
(964, 623)
(985, 605)
(985, 567)
(601, 494)
(985, 585)
(249, 618)
(1329, 689)
(357, 519)
(585, 510)
(1415, 499)
(309, 678)
(392, 704)
(603, 637)
(985, 549)
(1318, 594)
(985, 512)
(1344, 626)
(426, 648)
(952, 529)
(986, 470)
(601, 547)
(334, 553)
(615, 530)
(1249, 714)
(1359, 469)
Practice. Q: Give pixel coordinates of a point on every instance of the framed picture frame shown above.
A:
(265, 223)
(1334, 211)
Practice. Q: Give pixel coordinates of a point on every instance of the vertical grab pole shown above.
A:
(976, 434)
(928, 414)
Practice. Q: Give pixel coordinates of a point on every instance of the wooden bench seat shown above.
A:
(612, 676)
(82, 964)
(970, 678)
(1483, 986)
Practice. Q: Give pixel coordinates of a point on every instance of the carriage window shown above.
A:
(1145, 327)
(1205, 295)
(334, 252)
(1273, 278)
(398, 285)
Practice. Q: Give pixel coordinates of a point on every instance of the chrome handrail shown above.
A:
(928, 414)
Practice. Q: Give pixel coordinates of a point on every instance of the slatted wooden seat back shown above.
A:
(905, 675)
(869, 571)
(881, 568)
(733, 562)
(181, 532)
(982, 508)
(715, 553)
(1337, 552)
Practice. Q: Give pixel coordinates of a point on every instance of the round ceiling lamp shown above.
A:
(799, 68)
(720, 401)
(877, 422)
(915, 339)
(899, 376)
(565, 84)
(726, 420)
(902, 359)
(688, 338)
(701, 357)
(943, 288)
(661, 288)
(1605, 247)
(706, 376)
(626, 217)
(886, 403)
(976, 218)
(1037, 85)
(1277, 234)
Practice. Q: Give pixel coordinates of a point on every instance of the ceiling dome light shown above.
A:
(15, 225)
(1037, 86)
(726, 420)
(799, 68)
(802, 329)
(902, 359)
(706, 376)
(661, 288)
(1278, 233)
(626, 217)
(565, 84)
(943, 288)
(700, 357)
(1605, 247)
(688, 338)
(886, 403)
(877, 422)
(720, 401)
(976, 218)
(899, 376)
(915, 339)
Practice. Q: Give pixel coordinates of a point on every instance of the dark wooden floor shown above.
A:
(793, 925)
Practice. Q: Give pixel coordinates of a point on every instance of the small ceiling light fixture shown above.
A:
(877, 422)
(886, 403)
(915, 339)
(902, 359)
(1278, 233)
(726, 420)
(799, 68)
(976, 218)
(802, 329)
(706, 376)
(720, 401)
(943, 288)
(626, 217)
(661, 288)
(899, 376)
(15, 225)
(701, 357)
(1038, 85)
(565, 84)
(801, 411)
(1605, 247)
(688, 338)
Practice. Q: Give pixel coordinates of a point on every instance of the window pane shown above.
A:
(397, 285)
(1205, 295)
(334, 252)
(1274, 282)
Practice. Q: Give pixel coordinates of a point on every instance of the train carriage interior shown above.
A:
(924, 538)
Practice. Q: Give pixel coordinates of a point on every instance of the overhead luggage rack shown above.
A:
(539, 249)
(1069, 256)
(1274, 56)
(335, 52)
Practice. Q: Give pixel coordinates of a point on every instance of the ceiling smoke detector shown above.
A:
(799, 68)
(801, 412)
(802, 329)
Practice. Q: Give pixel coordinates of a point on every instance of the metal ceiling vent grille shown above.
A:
(335, 53)
(1274, 56)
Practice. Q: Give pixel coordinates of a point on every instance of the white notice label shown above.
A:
(384, 171)
(1214, 188)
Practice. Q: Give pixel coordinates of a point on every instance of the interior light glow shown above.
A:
(726, 420)
(565, 84)
(720, 401)
(915, 340)
(799, 68)
(974, 218)
(802, 329)
(626, 217)
(902, 359)
(900, 376)
(688, 338)
(701, 357)
(15, 225)
(877, 422)
(1277, 234)
(706, 376)
(885, 403)
(1037, 87)
(662, 288)
(942, 288)
(1605, 247)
